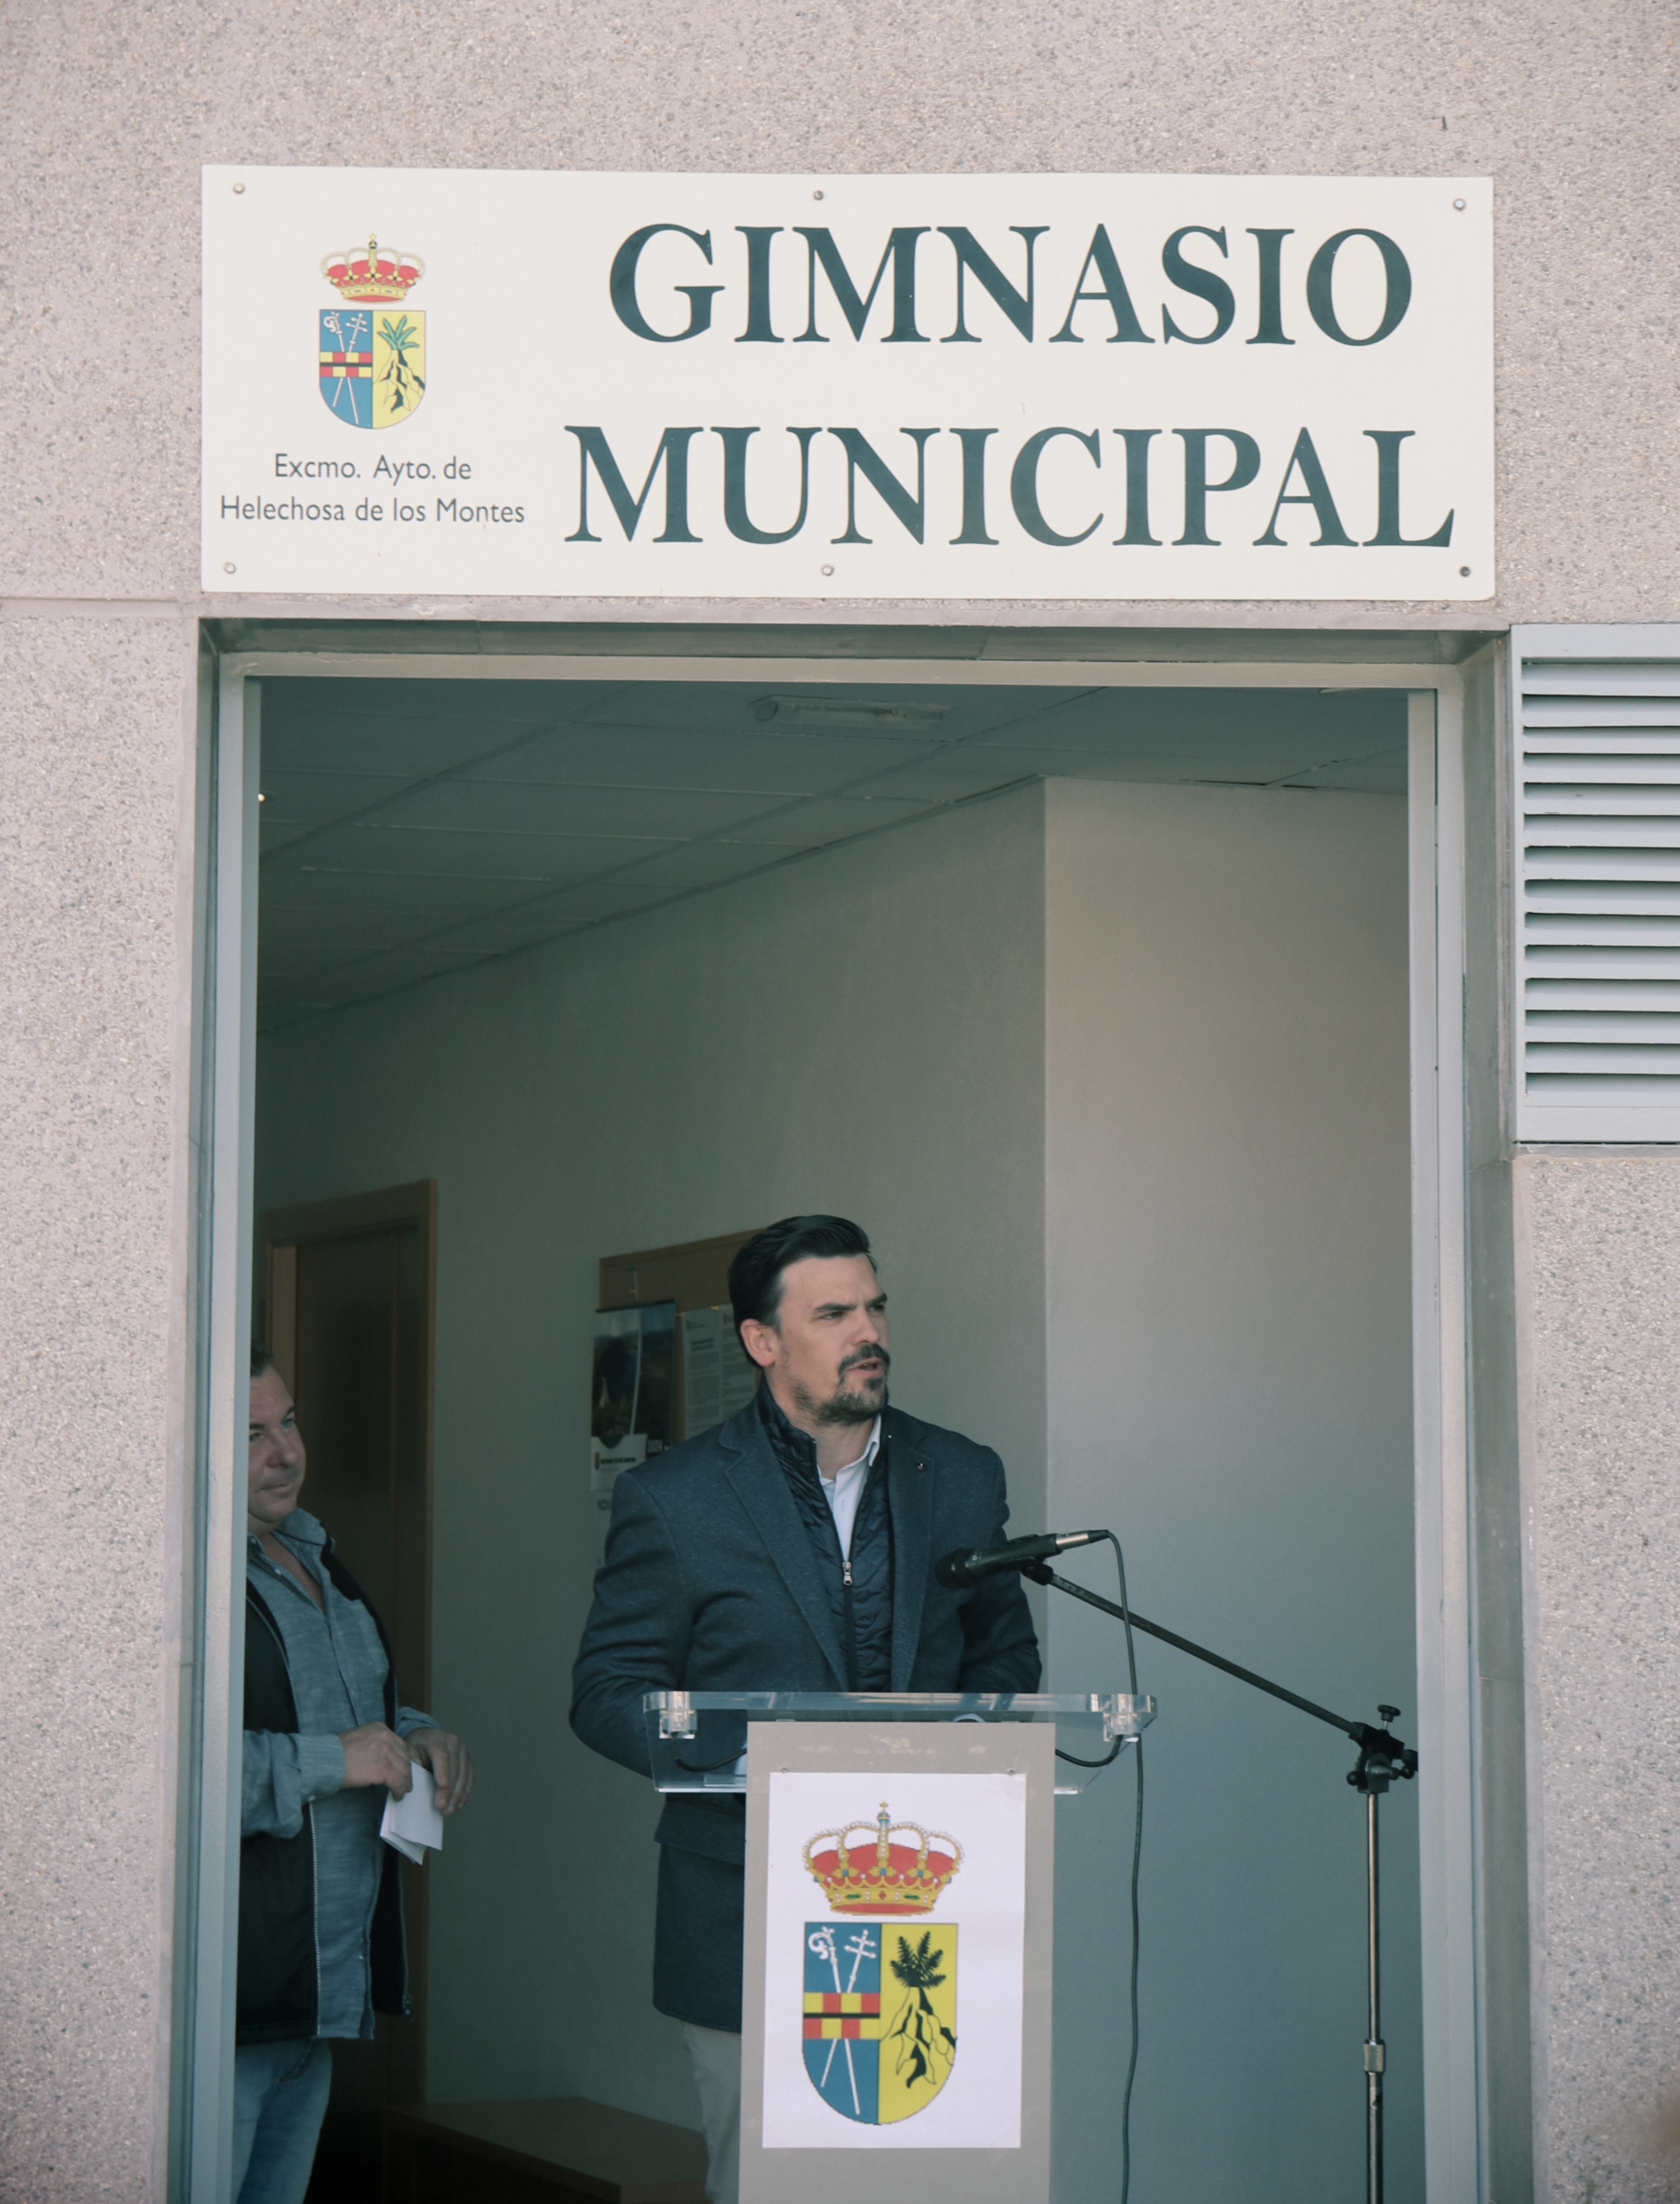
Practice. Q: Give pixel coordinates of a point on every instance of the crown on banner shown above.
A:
(373, 274)
(882, 1867)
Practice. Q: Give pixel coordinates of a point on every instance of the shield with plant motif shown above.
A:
(880, 2016)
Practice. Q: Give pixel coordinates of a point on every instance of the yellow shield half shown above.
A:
(918, 2018)
(398, 366)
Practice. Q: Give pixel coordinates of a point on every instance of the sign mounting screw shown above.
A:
(238, 188)
(1457, 206)
(229, 568)
(1464, 571)
(816, 195)
(827, 571)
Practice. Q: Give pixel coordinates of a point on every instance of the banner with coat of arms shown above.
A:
(874, 2034)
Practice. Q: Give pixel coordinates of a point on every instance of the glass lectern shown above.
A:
(697, 1741)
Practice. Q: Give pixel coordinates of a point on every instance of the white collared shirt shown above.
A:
(844, 1492)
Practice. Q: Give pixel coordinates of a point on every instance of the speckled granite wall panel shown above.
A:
(1604, 1240)
(90, 744)
(110, 112)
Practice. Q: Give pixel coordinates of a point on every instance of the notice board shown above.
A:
(692, 1275)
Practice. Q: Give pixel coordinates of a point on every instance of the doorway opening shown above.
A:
(1093, 1002)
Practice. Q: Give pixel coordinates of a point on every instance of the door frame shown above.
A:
(348, 1216)
(1456, 2112)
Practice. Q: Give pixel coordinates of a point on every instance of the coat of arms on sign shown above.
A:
(879, 2013)
(373, 351)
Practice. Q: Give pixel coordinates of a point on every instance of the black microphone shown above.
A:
(961, 1568)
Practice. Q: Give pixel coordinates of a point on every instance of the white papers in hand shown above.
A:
(412, 1823)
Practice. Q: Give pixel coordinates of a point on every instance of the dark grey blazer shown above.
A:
(711, 1584)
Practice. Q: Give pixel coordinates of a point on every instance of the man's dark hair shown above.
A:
(756, 1275)
(261, 1360)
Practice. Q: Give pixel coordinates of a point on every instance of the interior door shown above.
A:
(350, 1291)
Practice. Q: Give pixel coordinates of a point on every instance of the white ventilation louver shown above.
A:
(1598, 812)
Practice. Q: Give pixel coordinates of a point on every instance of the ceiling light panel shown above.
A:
(801, 715)
(724, 707)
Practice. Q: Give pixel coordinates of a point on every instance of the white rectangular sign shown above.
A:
(515, 383)
(893, 1961)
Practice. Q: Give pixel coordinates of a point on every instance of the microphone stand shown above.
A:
(1383, 1759)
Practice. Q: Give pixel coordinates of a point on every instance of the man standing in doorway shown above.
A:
(789, 1549)
(321, 1929)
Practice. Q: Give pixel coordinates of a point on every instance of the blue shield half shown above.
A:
(346, 364)
(841, 2016)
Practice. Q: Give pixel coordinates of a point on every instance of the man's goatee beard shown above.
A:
(843, 1407)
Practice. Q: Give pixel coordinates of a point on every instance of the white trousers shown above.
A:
(716, 2053)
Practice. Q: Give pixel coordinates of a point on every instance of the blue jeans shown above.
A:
(280, 2097)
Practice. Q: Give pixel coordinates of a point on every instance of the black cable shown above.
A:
(1132, 2064)
(1048, 1576)
(1125, 1612)
(1107, 1761)
(1137, 1860)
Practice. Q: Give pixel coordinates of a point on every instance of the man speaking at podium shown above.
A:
(789, 1550)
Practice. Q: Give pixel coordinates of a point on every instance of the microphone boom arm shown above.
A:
(1376, 1745)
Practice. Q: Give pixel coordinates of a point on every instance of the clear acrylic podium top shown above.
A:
(697, 1741)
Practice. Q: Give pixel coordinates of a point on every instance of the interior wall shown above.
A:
(1229, 1322)
(861, 1032)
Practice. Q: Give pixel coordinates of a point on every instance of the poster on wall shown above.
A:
(718, 1376)
(632, 1390)
(837, 387)
(894, 1955)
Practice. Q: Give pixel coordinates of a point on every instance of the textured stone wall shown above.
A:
(1603, 1239)
(108, 112)
(111, 110)
(91, 1096)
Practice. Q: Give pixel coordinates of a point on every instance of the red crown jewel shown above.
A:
(887, 1867)
(373, 274)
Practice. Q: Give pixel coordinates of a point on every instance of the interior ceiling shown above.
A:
(415, 827)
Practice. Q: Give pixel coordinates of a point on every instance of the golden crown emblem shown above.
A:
(373, 274)
(883, 1866)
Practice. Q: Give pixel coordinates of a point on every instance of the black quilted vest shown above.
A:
(860, 1597)
(277, 1997)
